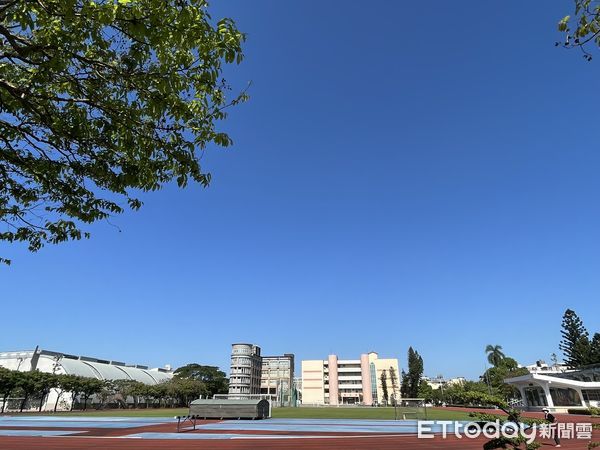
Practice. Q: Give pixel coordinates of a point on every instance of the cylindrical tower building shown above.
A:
(246, 365)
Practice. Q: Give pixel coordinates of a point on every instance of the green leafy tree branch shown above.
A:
(100, 100)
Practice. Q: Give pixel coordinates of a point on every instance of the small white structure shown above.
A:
(559, 389)
(540, 367)
(62, 363)
(440, 382)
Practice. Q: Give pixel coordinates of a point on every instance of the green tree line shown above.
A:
(491, 383)
(28, 390)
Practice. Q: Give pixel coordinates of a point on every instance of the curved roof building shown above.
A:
(559, 390)
(63, 363)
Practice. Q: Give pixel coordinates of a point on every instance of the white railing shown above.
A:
(516, 403)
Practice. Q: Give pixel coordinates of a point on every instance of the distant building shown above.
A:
(557, 388)
(276, 379)
(440, 382)
(85, 366)
(337, 381)
(246, 366)
(542, 367)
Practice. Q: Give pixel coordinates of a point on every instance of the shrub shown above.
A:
(580, 411)
(592, 411)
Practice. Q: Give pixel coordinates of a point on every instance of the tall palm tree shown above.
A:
(495, 354)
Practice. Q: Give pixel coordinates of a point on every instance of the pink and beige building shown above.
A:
(336, 381)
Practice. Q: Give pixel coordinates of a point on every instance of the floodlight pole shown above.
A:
(487, 379)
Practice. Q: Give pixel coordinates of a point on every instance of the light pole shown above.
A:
(487, 379)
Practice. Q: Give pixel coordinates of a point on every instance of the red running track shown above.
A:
(112, 439)
(371, 443)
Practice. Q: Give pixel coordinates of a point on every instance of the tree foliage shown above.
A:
(453, 394)
(425, 391)
(102, 99)
(513, 416)
(187, 390)
(575, 343)
(476, 398)
(89, 387)
(496, 376)
(32, 388)
(28, 385)
(394, 384)
(384, 386)
(214, 380)
(8, 383)
(492, 384)
(494, 354)
(411, 381)
(582, 28)
(595, 349)
(403, 384)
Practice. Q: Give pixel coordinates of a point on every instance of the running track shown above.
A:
(159, 434)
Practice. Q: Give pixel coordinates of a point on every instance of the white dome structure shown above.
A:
(63, 363)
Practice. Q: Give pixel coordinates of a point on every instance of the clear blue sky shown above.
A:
(429, 168)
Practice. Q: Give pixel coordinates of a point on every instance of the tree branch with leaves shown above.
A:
(101, 100)
(582, 28)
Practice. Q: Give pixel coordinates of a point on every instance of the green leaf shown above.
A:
(139, 118)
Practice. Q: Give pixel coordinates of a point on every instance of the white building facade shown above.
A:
(277, 379)
(559, 389)
(440, 382)
(245, 372)
(336, 381)
(84, 366)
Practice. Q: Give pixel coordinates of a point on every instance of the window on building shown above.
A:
(373, 372)
(565, 397)
(591, 395)
(535, 396)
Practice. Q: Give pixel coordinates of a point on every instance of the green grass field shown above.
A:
(289, 413)
(366, 413)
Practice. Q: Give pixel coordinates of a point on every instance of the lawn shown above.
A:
(290, 413)
(366, 413)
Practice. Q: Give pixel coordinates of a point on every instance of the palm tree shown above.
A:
(494, 354)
